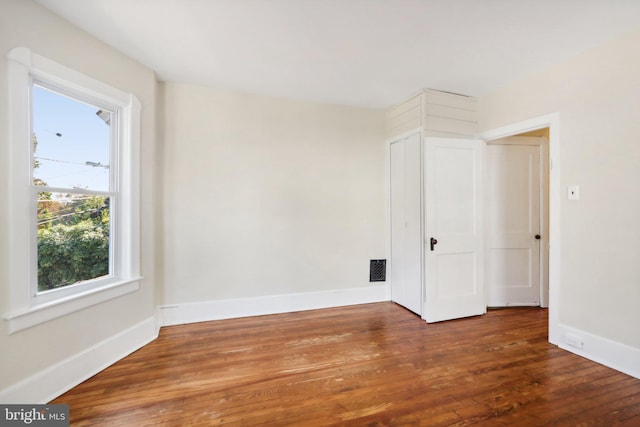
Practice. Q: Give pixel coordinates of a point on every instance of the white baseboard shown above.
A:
(613, 354)
(177, 314)
(50, 383)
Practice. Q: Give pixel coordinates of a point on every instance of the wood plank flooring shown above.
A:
(372, 364)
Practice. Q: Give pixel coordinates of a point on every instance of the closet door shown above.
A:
(454, 265)
(406, 222)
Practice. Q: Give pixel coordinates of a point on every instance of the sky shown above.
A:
(70, 134)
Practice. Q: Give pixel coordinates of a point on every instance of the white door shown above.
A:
(454, 266)
(513, 192)
(406, 222)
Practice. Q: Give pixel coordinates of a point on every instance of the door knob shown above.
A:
(537, 236)
(433, 242)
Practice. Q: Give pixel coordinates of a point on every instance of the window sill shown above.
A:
(23, 319)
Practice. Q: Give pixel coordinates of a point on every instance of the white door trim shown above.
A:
(552, 121)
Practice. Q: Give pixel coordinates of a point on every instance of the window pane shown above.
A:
(71, 142)
(73, 238)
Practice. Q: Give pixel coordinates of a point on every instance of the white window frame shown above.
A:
(28, 307)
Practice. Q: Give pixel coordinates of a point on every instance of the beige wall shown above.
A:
(597, 96)
(23, 23)
(264, 196)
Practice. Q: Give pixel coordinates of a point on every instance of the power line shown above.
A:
(65, 199)
(58, 217)
(87, 163)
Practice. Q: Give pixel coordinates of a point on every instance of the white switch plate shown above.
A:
(573, 192)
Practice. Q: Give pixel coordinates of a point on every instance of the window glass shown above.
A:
(73, 238)
(71, 142)
(71, 172)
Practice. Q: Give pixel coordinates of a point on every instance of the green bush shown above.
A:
(72, 253)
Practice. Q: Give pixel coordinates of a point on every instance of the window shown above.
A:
(74, 190)
(73, 187)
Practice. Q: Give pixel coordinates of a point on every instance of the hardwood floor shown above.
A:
(373, 364)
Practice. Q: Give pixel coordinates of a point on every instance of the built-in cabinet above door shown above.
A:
(434, 113)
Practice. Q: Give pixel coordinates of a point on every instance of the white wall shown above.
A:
(597, 96)
(264, 196)
(26, 354)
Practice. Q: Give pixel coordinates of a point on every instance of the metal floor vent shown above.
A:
(378, 270)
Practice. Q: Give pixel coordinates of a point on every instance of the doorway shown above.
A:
(549, 124)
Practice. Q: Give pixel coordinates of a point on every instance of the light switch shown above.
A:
(573, 192)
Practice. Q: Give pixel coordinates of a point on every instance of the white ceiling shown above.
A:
(371, 53)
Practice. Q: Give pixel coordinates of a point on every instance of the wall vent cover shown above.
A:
(378, 270)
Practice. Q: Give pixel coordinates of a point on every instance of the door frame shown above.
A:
(551, 121)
